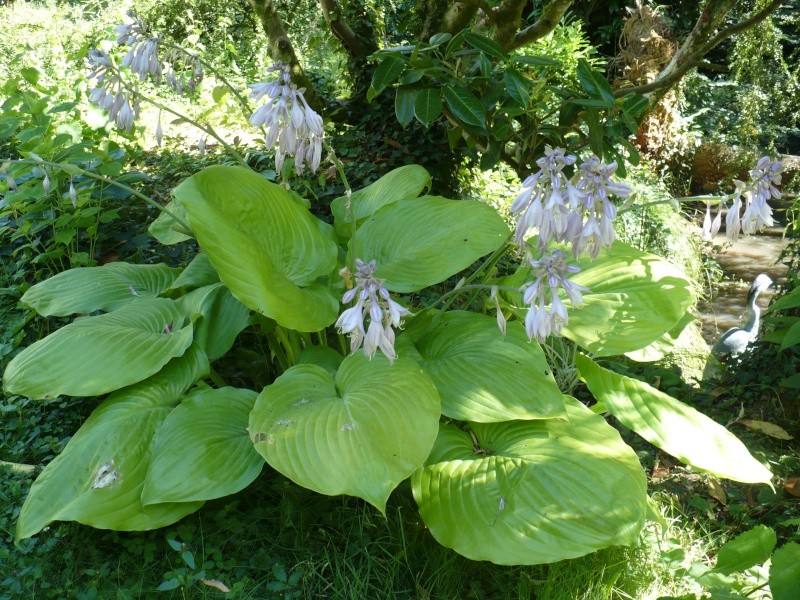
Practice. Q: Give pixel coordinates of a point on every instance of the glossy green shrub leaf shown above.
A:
(404, 100)
(593, 82)
(635, 299)
(482, 375)
(218, 318)
(532, 492)
(428, 105)
(98, 478)
(408, 181)
(197, 274)
(671, 425)
(202, 451)
(751, 548)
(385, 74)
(105, 288)
(465, 106)
(358, 432)
(485, 45)
(420, 242)
(97, 355)
(267, 249)
(166, 229)
(784, 572)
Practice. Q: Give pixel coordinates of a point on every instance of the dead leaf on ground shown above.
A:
(769, 429)
(792, 486)
(716, 491)
(215, 583)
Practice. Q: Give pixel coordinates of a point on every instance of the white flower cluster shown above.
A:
(289, 121)
(764, 179)
(577, 211)
(181, 71)
(110, 93)
(551, 271)
(371, 299)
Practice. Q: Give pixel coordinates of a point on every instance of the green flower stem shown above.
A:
(288, 346)
(468, 287)
(216, 378)
(351, 212)
(75, 170)
(208, 129)
(676, 201)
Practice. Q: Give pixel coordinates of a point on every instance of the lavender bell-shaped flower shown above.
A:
(552, 272)
(372, 300)
(288, 121)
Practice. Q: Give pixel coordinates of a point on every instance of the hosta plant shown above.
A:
(382, 366)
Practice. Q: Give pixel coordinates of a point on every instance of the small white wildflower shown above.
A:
(73, 196)
(551, 271)
(501, 319)
(159, 130)
(46, 183)
(110, 93)
(288, 121)
(371, 299)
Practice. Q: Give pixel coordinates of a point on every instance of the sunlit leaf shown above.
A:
(97, 355)
(106, 288)
(483, 375)
(98, 478)
(267, 248)
(532, 492)
(202, 451)
(358, 432)
(671, 425)
(751, 548)
(634, 299)
(423, 241)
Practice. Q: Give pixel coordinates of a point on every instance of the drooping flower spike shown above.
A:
(552, 273)
(288, 120)
(372, 300)
(578, 211)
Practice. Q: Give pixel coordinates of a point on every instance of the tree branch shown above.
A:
(693, 49)
(506, 17)
(551, 15)
(281, 48)
(342, 30)
(459, 15)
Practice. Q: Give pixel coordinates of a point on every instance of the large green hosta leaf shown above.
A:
(267, 249)
(420, 242)
(407, 181)
(671, 425)
(360, 432)
(635, 298)
(97, 355)
(220, 318)
(202, 451)
(198, 273)
(105, 288)
(532, 492)
(98, 478)
(165, 229)
(481, 374)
